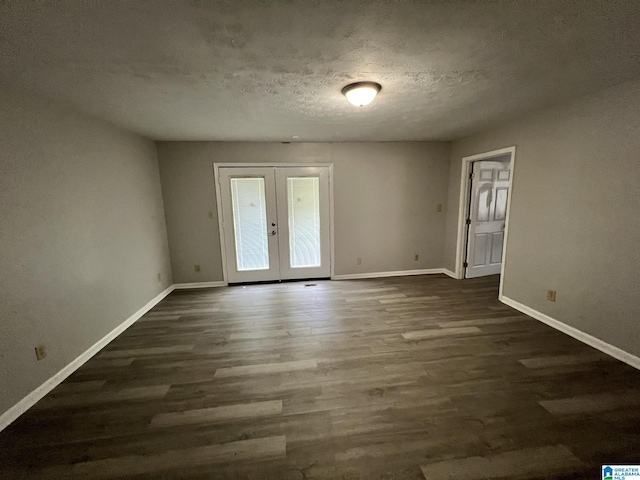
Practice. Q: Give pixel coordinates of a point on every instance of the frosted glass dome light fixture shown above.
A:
(361, 93)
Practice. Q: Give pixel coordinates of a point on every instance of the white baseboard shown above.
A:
(449, 273)
(399, 273)
(182, 286)
(590, 340)
(31, 399)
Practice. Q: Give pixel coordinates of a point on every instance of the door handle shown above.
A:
(273, 232)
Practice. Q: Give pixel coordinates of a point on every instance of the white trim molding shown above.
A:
(398, 273)
(184, 286)
(590, 340)
(32, 398)
(449, 273)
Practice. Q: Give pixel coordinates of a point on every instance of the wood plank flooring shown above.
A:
(420, 377)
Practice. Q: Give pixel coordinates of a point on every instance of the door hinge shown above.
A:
(472, 176)
(468, 221)
(465, 264)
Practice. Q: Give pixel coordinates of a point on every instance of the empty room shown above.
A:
(296, 240)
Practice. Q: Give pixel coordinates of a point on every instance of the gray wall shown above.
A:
(385, 201)
(82, 232)
(575, 223)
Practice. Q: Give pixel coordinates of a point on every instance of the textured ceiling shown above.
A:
(269, 70)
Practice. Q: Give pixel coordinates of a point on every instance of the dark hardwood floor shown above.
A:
(397, 378)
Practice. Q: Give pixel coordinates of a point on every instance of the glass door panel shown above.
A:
(303, 204)
(249, 221)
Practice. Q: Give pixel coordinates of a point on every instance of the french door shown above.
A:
(275, 222)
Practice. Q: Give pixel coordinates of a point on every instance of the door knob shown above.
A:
(273, 224)
(273, 232)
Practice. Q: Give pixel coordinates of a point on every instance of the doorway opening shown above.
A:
(275, 221)
(483, 217)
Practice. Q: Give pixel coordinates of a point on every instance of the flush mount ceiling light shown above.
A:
(361, 93)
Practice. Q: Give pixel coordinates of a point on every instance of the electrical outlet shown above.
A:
(439, 207)
(551, 295)
(210, 214)
(196, 268)
(417, 257)
(358, 261)
(159, 276)
(41, 352)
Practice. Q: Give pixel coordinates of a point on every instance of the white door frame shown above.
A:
(216, 175)
(463, 208)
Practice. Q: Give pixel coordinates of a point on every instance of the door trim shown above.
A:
(463, 207)
(216, 176)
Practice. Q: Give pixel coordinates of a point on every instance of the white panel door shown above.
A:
(275, 222)
(303, 218)
(249, 221)
(487, 216)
